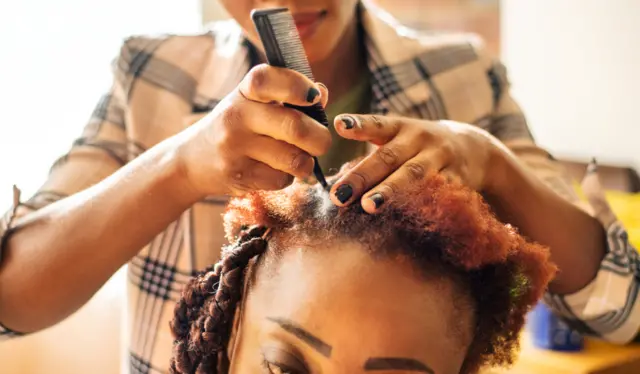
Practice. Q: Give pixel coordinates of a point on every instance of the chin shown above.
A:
(320, 46)
(317, 54)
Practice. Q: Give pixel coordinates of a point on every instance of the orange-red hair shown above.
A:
(434, 222)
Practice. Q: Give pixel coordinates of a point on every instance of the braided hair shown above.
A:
(204, 315)
(435, 224)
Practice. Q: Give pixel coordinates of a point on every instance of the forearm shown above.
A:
(576, 240)
(62, 254)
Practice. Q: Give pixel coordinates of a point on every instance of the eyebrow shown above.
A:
(392, 363)
(304, 335)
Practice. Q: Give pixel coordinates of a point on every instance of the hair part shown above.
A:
(436, 222)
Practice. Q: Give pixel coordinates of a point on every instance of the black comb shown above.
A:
(283, 48)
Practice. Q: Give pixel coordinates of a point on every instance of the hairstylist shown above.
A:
(191, 119)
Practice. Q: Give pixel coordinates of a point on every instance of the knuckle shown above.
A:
(388, 155)
(293, 125)
(231, 117)
(359, 179)
(377, 122)
(392, 187)
(228, 171)
(299, 162)
(258, 78)
(283, 181)
(268, 179)
(451, 178)
(447, 150)
(240, 187)
(241, 179)
(423, 136)
(463, 172)
(416, 171)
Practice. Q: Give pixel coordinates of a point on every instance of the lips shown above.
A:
(307, 23)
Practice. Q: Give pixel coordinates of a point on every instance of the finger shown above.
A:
(280, 156)
(412, 172)
(374, 168)
(266, 84)
(324, 94)
(369, 128)
(450, 175)
(288, 125)
(255, 175)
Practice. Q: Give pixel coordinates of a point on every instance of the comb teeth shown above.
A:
(283, 47)
(286, 33)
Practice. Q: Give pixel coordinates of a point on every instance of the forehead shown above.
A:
(362, 307)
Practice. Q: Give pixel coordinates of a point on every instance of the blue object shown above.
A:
(550, 332)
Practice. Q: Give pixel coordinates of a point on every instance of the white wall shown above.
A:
(54, 64)
(575, 67)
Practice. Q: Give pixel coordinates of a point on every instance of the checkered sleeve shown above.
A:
(608, 307)
(100, 150)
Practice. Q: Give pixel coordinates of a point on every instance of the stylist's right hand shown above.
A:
(250, 141)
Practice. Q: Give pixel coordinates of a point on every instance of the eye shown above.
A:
(280, 360)
(273, 368)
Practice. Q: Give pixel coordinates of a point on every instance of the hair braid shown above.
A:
(204, 315)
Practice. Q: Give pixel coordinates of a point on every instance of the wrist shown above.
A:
(502, 172)
(175, 172)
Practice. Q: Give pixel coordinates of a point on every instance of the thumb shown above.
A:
(324, 94)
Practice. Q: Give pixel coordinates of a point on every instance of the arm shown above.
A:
(597, 283)
(66, 241)
(56, 257)
(532, 192)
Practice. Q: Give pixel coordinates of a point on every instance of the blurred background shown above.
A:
(573, 65)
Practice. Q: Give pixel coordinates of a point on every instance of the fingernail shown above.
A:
(349, 123)
(312, 94)
(377, 199)
(344, 193)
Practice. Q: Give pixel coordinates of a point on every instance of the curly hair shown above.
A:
(434, 222)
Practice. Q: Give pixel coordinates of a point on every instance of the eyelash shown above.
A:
(269, 366)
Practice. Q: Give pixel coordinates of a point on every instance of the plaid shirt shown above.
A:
(164, 84)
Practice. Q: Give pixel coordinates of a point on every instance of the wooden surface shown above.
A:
(597, 358)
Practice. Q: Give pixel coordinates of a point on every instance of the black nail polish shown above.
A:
(349, 123)
(377, 199)
(344, 193)
(312, 94)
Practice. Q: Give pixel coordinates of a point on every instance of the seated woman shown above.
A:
(432, 284)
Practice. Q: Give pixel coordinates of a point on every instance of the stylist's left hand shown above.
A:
(408, 150)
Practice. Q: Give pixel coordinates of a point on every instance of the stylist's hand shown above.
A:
(408, 150)
(250, 141)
